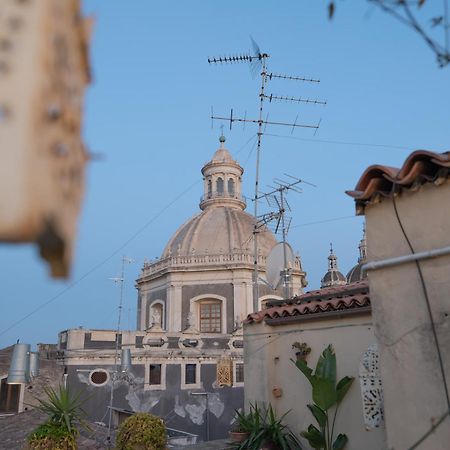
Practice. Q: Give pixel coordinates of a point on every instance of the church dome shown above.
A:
(223, 227)
(333, 277)
(218, 229)
(356, 273)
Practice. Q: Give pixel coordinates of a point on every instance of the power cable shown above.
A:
(327, 141)
(101, 263)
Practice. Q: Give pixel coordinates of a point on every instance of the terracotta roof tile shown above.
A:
(420, 167)
(321, 302)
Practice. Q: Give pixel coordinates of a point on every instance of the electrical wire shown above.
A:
(101, 263)
(335, 219)
(430, 315)
(327, 141)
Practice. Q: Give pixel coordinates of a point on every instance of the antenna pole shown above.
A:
(116, 352)
(286, 287)
(258, 155)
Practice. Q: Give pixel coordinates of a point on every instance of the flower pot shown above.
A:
(238, 436)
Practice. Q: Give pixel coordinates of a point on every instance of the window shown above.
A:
(155, 374)
(219, 185)
(209, 188)
(210, 317)
(190, 374)
(231, 186)
(99, 377)
(239, 378)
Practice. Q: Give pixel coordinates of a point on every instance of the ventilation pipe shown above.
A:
(125, 360)
(19, 368)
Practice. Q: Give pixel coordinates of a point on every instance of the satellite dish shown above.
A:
(275, 263)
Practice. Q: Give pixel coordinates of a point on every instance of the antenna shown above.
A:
(273, 262)
(116, 280)
(258, 62)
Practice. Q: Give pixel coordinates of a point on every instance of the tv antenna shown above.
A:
(117, 280)
(281, 259)
(258, 62)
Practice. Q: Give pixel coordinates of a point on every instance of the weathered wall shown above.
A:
(181, 410)
(412, 381)
(268, 352)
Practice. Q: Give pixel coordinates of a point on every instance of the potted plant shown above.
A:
(242, 427)
(327, 395)
(266, 432)
(302, 350)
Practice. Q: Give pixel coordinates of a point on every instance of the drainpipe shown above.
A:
(397, 260)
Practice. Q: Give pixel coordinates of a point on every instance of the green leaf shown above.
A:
(340, 442)
(319, 415)
(342, 387)
(326, 365)
(315, 438)
(324, 393)
(303, 367)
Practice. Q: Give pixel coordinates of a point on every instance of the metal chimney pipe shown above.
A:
(34, 364)
(125, 360)
(20, 364)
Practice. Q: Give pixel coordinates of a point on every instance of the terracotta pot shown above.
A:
(268, 445)
(238, 436)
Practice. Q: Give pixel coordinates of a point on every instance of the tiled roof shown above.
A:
(379, 181)
(334, 300)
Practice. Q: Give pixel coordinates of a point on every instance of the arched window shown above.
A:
(210, 316)
(209, 188)
(156, 315)
(219, 185)
(231, 186)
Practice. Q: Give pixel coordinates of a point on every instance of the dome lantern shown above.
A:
(222, 180)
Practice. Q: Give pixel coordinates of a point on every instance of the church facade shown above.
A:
(187, 351)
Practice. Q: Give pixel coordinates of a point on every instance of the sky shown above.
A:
(148, 115)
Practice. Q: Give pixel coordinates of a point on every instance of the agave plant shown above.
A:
(63, 408)
(64, 412)
(266, 431)
(326, 394)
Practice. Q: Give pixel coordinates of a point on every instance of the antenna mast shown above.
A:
(259, 59)
(116, 280)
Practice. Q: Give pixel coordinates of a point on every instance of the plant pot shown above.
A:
(238, 436)
(269, 445)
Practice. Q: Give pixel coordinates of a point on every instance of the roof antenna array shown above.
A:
(277, 200)
(258, 63)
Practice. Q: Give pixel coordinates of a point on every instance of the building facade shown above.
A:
(187, 351)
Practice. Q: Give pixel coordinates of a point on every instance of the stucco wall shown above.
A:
(412, 382)
(268, 352)
(180, 410)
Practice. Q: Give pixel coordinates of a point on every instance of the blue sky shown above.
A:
(147, 113)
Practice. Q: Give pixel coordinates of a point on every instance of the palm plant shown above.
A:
(326, 394)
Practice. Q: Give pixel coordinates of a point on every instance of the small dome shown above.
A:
(222, 155)
(333, 277)
(218, 229)
(356, 274)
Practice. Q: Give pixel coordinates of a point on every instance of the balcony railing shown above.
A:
(197, 260)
